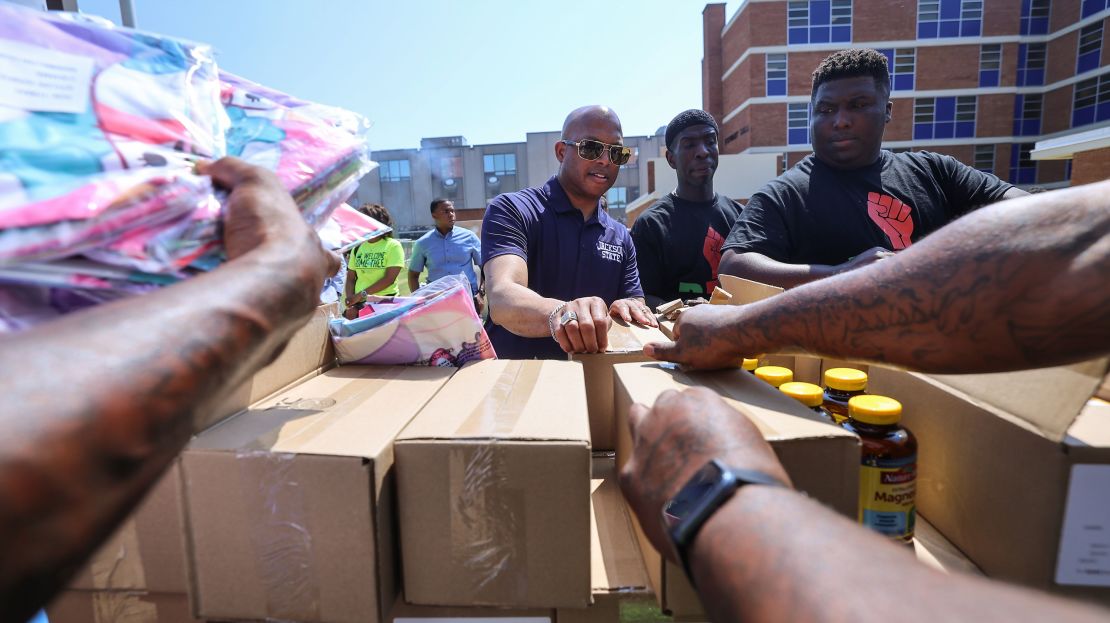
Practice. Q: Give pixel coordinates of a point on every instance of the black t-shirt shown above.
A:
(678, 245)
(815, 214)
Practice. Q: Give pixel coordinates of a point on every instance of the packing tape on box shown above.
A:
(117, 606)
(282, 537)
(488, 521)
(119, 565)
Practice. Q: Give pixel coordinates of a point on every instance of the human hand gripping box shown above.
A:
(493, 482)
(821, 459)
(626, 345)
(290, 504)
(1014, 469)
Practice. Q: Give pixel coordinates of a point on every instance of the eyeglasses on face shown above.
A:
(589, 149)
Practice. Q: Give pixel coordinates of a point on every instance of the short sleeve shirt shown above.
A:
(815, 214)
(453, 254)
(567, 257)
(369, 261)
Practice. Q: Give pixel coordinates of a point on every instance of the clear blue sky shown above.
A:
(485, 69)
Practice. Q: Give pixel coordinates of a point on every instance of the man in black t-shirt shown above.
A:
(678, 238)
(850, 203)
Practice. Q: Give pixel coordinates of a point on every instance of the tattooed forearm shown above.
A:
(99, 403)
(1017, 284)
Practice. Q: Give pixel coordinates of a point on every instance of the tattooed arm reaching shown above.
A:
(1018, 284)
(772, 554)
(97, 404)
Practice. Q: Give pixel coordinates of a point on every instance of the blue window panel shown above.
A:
(1038, 26)
(988, 78)
(819, 13)
(1083, 116)
(798, 35)
(1027, 175)
(1087, 61)
(946, 109)
(1021, 77)
(950, 29)
(818, 34)
(927, 30)
(922, 130)
(950, 9)
(1103, 111)
(903, 82)
(797, 136)
(1090, 7)
(970, 28)
(965, 129)
(776, 87)
(1015, 153)
(889, 54)
(944, 129)
(1030, 127)
(1030, 77)
(841, 34)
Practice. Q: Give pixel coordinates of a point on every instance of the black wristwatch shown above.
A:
(697, 500)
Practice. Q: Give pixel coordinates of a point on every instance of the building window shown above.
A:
(1034, 17)
(1090, 7)
(990, 64)
(394, 171)
(1031, 64)
(776, 75)
(797, 124)
(944, 117)
(499, 164)
(1091, 101)
(819, 21)
(901, 62)
(949, 18)
(984, 158)
(617, 198)
(1090, 48)
(1023, 169)
(1027, 114)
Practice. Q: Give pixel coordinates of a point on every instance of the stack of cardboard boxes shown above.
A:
(388, 494)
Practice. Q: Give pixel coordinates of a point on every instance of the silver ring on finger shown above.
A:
(567, 318)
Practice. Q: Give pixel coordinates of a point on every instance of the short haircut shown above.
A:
(853, 63)
(377, 212)
(686, 119)
(437, 201)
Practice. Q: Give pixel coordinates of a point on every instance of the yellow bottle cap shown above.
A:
(807, 393)
(874, 409)
(750, 364)
(846, 379)
(775, 375)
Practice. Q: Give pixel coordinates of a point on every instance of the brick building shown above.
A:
(982, 80)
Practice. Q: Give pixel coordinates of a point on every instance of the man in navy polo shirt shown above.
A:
(446, 250)
(556, 265)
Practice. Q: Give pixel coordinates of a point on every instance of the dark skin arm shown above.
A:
(414, 280)
(759, 267)
(1019, 284)
(771, 554)
(97, 404)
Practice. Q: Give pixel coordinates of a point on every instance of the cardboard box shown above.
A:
(493, 482)
(821, 459)
(932, 549)
(1014, 469)
(289, 505)
(147, 551)
(308, 353)
(119, 607)
(617, 570)
(626, 345)
(408, 613)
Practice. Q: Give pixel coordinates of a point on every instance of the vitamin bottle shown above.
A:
(775, 375)
(840, 385)
(750, 364)
(888, 471)
(808, 394)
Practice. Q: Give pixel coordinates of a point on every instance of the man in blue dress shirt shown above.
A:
(447, 250)
(556, 265)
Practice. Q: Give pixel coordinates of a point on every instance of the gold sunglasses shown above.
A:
(589, 149)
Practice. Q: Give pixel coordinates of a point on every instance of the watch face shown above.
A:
(693, 495)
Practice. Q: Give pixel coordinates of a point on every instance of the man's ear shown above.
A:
(670, 159)
(560, 150)
(889, 108)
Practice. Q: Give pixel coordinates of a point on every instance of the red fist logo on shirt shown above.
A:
(893, 217)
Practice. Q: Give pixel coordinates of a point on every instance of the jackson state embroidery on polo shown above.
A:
(611, 252)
